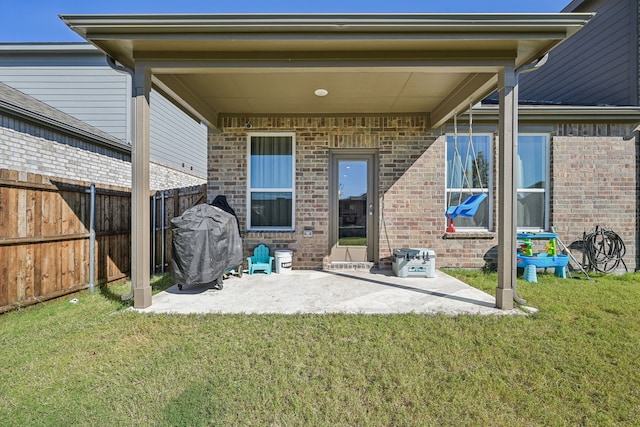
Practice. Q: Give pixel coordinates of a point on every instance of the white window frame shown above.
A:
(547, 185)
(488, 186)
(291, 189)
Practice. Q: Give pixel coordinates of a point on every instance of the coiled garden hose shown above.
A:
(604, 250)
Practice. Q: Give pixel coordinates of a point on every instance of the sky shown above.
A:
(38, 21)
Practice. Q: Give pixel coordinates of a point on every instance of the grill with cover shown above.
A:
(206, 244)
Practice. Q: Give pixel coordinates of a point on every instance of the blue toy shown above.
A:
(261, 260)
(467, 209)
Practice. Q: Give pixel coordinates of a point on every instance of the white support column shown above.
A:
(140, 205)
(507, 198)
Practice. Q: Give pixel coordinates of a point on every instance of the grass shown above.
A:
(352, 241)
(94, 363)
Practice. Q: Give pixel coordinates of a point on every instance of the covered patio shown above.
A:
(432, 65)
(325, 292)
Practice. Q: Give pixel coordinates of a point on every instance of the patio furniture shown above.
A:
(260, 261)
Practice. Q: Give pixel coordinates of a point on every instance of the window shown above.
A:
(271, 182)
(533, 182)
(463, 179)
(469, 169)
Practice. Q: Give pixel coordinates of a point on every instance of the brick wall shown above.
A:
(595, 182)
(411, 184)
(412, 180)
(30, 148)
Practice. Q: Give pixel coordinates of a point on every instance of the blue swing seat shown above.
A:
(468, 208)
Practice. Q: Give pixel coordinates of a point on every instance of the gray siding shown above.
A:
(178, 140)
(96, 95)
(76, 79)
(597, 66)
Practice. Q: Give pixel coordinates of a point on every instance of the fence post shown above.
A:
(92, 238)
(153, 234)
(162, 230)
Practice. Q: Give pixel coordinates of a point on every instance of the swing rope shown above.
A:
(466, 180)
(473, 149)
(456, 156)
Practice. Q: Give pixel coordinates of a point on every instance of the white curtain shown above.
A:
(271, 162)
(271, 170)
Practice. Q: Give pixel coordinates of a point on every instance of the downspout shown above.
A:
(126, 70)
(121, 69)
(533, 66)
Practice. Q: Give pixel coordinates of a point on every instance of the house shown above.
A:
(599, 66)
(293, 100)
(64, 204)
(76, 79)
(39, 139)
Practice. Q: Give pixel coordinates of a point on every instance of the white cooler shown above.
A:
(409, 262)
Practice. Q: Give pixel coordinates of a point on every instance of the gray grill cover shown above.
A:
(206, 243)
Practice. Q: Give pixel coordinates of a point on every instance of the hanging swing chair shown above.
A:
(469, 206)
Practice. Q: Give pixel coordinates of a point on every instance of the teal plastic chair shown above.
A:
(260, 261)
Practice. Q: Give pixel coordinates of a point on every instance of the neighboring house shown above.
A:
(37, 138)
(75, 78)
(598, 66)
(55, 236)
(392, 95)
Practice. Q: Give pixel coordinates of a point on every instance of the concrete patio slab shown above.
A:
(304, 291)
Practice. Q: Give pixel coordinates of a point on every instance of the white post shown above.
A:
(140, 205)
(507, 196)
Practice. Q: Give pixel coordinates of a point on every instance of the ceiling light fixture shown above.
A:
(321, 92)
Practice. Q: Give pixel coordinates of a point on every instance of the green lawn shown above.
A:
(94, 363)
(352, 241)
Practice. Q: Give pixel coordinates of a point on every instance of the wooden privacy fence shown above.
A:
(165, 205)
(45, 234)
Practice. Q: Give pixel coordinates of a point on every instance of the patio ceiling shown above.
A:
(215, 65)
